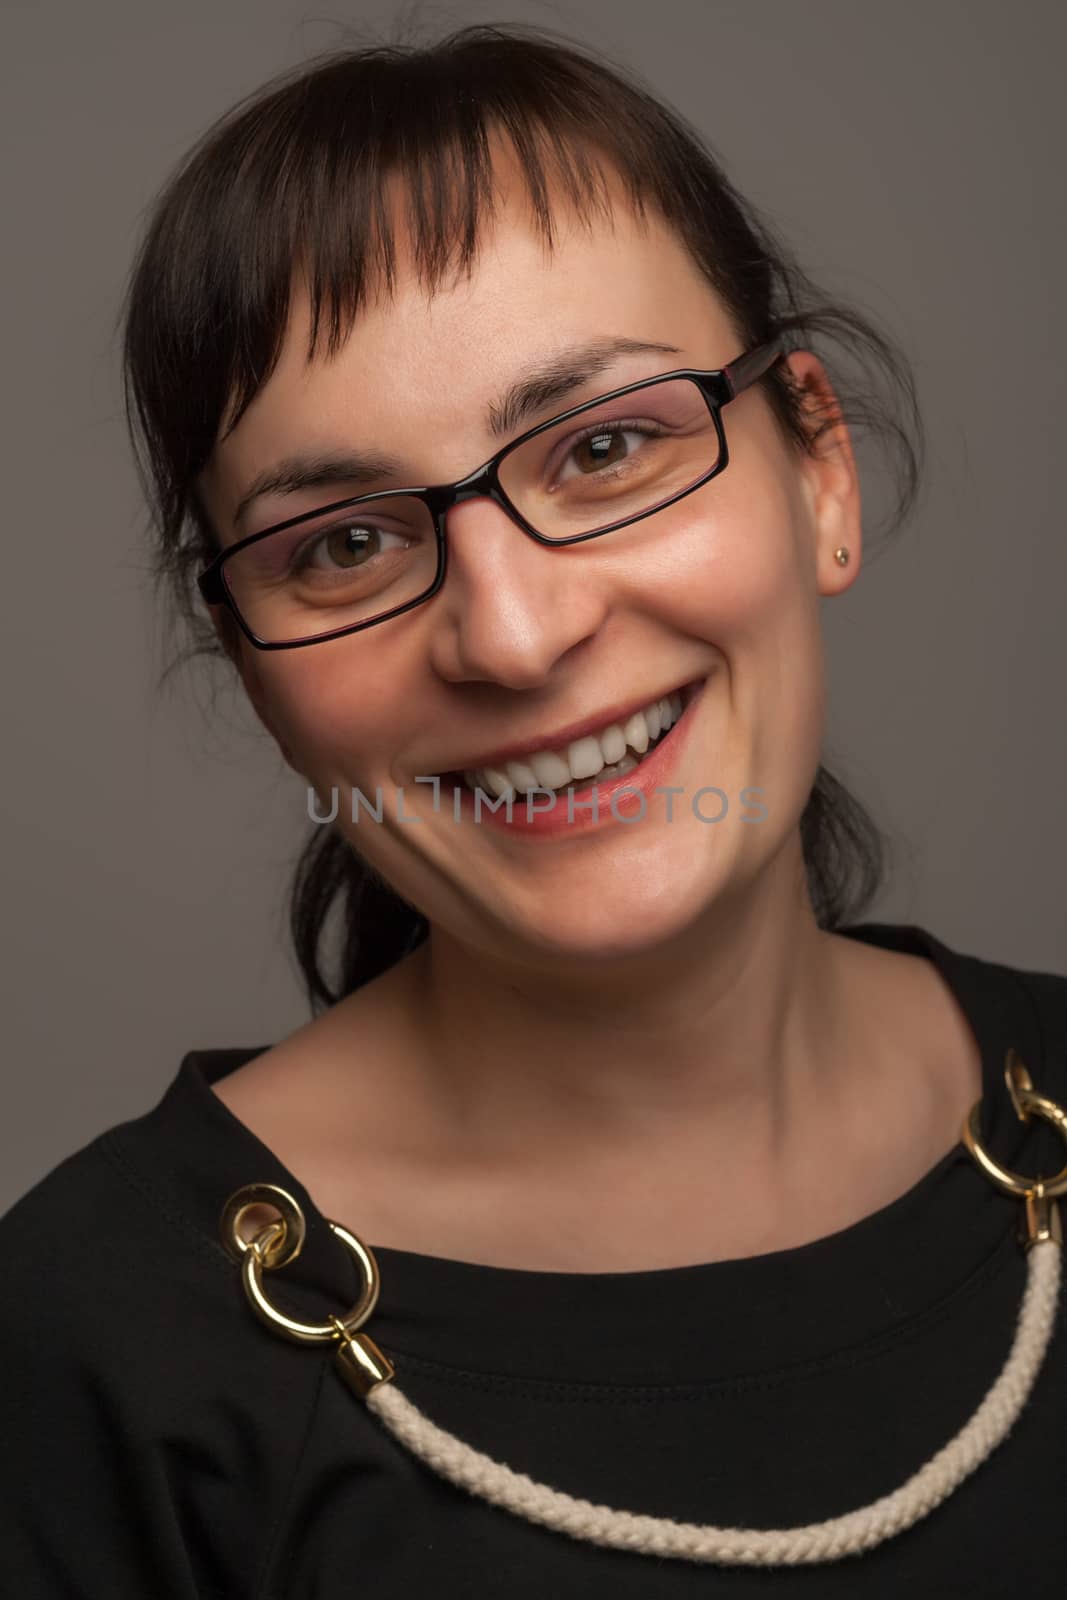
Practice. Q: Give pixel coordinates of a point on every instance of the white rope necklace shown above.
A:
(370, 1375)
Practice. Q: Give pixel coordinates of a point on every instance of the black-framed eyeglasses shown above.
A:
(320, 575)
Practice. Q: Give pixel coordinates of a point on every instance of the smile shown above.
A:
(578, 806)
(607, 752)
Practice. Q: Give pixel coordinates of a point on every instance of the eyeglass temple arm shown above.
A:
(743, 372)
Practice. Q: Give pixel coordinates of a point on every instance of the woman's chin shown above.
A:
(623, 916)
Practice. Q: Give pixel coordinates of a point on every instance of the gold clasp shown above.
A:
(1040, 1194)
(275, 1245)
(362, 1364)
(1042, 1219)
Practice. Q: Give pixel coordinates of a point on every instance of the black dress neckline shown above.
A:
(874, 1280)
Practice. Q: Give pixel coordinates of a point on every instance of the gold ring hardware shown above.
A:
(1042, 1214)
(362, 1363)
(284, 1246)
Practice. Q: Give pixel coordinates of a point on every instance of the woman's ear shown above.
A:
(830, 476)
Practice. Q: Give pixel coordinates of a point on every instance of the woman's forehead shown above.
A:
(515, 296)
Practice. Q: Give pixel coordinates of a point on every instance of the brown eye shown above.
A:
(603, 447)
(347, 545)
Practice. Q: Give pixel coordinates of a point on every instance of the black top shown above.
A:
(161, 1443)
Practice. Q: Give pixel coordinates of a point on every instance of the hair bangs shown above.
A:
(438, 195)
(316, 176)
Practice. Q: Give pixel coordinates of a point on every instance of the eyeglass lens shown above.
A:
(613, 461)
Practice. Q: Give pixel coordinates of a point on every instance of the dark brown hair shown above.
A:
(294, 174)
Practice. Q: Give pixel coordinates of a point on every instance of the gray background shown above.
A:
(913, 153)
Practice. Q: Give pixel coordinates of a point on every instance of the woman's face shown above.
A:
(523, 641)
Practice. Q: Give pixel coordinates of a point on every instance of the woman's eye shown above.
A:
(348, 545)
(604, 447)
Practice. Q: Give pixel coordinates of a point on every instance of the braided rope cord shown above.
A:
(850, 1534)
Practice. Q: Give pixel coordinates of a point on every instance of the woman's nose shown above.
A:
(510, 607)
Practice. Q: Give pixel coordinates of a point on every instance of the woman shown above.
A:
(656, 1148)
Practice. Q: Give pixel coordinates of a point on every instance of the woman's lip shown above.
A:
(688, 693)
(649, 774)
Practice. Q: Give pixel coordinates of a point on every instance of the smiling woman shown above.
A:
(646, 1202)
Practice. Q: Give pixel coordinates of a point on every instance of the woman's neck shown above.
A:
(785, 1090)
(724, 1038)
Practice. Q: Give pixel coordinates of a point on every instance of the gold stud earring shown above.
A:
(841, 556)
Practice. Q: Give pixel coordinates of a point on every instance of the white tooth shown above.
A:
(523, 777)
(636, 732)
(551, 770)
(585, 757)
(613, 743)
(496, 782)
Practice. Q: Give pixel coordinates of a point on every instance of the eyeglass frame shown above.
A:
(718, 386)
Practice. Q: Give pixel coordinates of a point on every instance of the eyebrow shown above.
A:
(543, 384)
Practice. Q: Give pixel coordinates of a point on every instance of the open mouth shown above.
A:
(627, 762)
